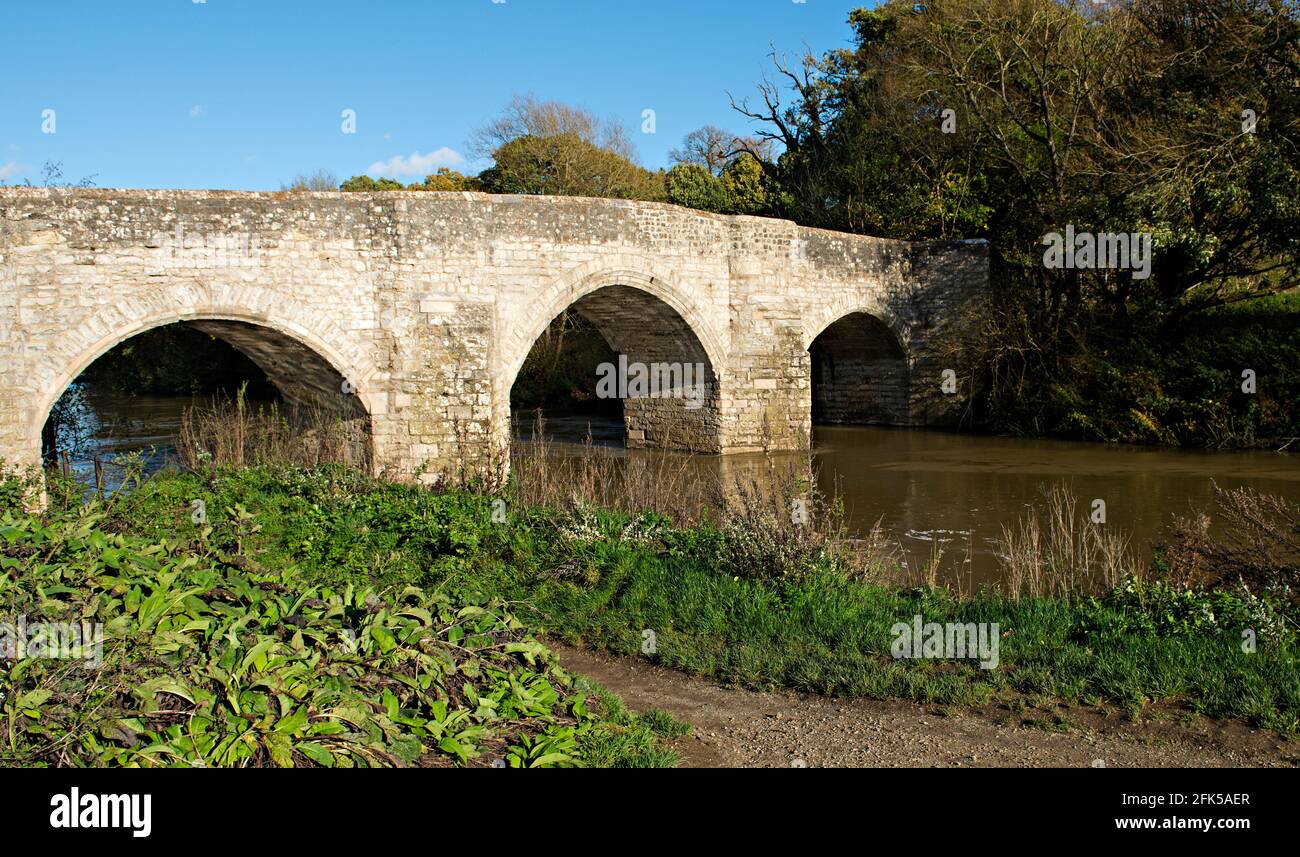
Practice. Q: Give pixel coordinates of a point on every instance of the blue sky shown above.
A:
(246, 94)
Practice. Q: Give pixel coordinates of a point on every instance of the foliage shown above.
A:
(567, 165)
(447, 180)
(366, 184)
(1011, 120)
(547, 147)
(529, 116)
(444, 179)
(1256, 547)
(1159, 608)
(52, 176)
(745, 186)
(209, 659)
(693, 186)
(69, 426)
(739, 189)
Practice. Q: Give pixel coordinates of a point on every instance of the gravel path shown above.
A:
(740, 728)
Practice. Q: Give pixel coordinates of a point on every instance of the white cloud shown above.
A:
(196, 111)
(416, 165)
(9, 169)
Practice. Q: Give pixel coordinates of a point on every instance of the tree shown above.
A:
(544, 147)
(709, 147)
(1015, 119)
(1124, 117)
(694, 186)
(744, 186)
(321, 180)
(365, 184)
(447, 180)
(526, 116)
(741, 189)
(715, 149)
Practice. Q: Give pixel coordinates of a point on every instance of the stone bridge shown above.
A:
(417, 310)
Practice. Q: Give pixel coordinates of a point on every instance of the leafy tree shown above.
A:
(744, 186)
(365, 184)
(1123, 117)
(741, 189)
(567, 165)
(447, 180)
(527, 116)
(693, 186)
(545, 147)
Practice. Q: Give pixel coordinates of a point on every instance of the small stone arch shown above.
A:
(860, 370)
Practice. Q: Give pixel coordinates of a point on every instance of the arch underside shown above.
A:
(645, 330)
(312, 390)
(860, 374)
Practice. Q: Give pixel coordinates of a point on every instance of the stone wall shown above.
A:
(428, 303)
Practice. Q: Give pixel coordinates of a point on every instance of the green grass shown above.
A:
(822, 633)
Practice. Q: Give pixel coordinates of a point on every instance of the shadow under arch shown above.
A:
(678, 408)
(861, 374)
(313, 379)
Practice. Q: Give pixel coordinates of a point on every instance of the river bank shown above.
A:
(744, 601)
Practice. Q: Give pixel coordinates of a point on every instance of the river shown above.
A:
(928, 487)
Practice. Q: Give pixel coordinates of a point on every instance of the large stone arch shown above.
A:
(293, 346)
(860, 367)
(822, 315)
(642, 316)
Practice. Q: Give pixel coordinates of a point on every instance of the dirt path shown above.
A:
(741, 728)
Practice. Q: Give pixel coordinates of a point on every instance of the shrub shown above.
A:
(1159, 608)
(1256, 546)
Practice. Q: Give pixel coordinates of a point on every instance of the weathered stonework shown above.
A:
(427, 304)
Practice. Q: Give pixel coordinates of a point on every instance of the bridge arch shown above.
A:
(860, 370)
(579, 283)
(305, 365)
(644, 321)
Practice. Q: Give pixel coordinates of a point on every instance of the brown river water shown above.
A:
(928, 488)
